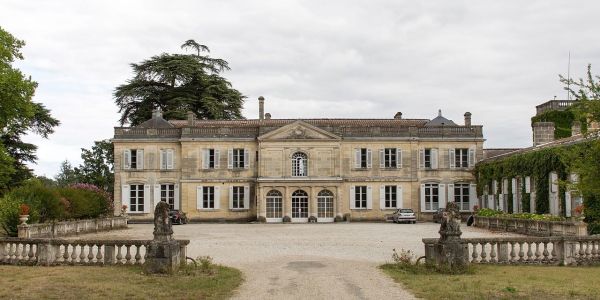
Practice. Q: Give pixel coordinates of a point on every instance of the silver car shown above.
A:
(404, 215)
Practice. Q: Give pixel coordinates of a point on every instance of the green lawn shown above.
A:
(502, 282)
(114, 282)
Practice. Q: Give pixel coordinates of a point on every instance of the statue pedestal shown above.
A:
(162, 257)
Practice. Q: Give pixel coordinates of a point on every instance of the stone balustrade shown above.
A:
(77, 252)
(564, 250)
(532, 227)
(74, 227)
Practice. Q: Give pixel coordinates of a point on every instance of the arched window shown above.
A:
(299, 204)
(274, 207)
(299, 164)
(325, 204)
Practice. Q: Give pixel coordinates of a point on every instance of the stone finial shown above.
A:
(398, 115)
(191, 117)
(267, 116)
(261, 108)
(467, 119)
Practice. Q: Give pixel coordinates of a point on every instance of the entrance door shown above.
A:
(274, 206)
(325, 206)
(299, 206)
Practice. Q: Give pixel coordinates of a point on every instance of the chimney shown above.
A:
(467, 119)
(261, 108)
(156, 113)
(543, 132)
(191, 117)
(267, 116)
(398, 116)
(576, 128)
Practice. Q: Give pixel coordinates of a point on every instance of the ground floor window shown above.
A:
(325, 204)
(391, 196)
(167, 194)
(136, 198)
(274, 207)
(208, 197)
(299, 204)
(360, 197)
(432, 201)
(461, 195)
(237, 197)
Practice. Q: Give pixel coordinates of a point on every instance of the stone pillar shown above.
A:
(23, 231)
(576, 128)
(543, 132)
(109, 254)
(503, 252)
(565, 252)
(467, 119)
(163, 253)
(450, 251)
(46, 253)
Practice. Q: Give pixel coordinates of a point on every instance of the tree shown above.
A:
(67, 175)
(178, 83)
(98, 166)
(586, 92)
(18, 115)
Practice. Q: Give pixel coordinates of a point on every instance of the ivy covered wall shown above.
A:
(563, 121)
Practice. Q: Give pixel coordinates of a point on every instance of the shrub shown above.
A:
(9, 214)
(83, 203)
(44, 202)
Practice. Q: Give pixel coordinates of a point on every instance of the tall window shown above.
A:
(391, 197)
(360, 197)
(461, 158)
(133, 159)
(428, 158)
(136, 198)
(238, 158)
(237, 197)
(363, 157)
(299, 204)
(432, 201)
(166, 159)
(167, 194)
(390, 159)
(299, 164)
(325, 204)
(211, 158)
(461, 195)
(208, 197)
(274, 207)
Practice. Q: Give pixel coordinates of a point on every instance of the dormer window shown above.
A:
(299, 164)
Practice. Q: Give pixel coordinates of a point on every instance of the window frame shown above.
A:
(460, 197)
(360, 192)
(238, 161)
(390, 190)
(430, 196)
(140, 203)
(299, 164)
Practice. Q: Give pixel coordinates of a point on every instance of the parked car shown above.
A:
(404, 215)
(178, 217)
(438, 215)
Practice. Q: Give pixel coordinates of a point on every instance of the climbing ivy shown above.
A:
(563, 121)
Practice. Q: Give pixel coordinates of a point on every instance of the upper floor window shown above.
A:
(461, 158)
(210, 159)
(133, 159)
(167, 159)
(299, 164)
(238, 158)
(362, 158)
(428, 158)
(390, 158)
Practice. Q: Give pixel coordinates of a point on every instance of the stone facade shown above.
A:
(266, 169)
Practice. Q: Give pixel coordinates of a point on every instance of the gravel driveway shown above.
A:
(294, 261)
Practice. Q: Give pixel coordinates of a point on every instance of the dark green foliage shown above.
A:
(98, 166)
(563, 121)
(83, 204)
(525, 200)
(177, 83)
(44, 202)
(9, 214)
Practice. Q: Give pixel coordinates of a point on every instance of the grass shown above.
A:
(115, 282)
(500, 282)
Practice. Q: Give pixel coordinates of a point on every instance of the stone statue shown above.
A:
(163, 254)
(163, 229)
(449, 250)
(450, 227)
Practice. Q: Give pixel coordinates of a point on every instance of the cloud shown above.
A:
(496, 59)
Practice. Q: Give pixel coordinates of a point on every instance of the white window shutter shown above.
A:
(382, 197)
(504, 186)
(399, 197)
(501, 202)
(147, 200)
(177, 200)
(471, 157)
(369, 197)
(246, 197)
(369, 159)
(450, 192)
(170, 159)
(553, 182)
(127, 159)
(434, 158)
(125, 197)
(352, 198)
(422, 196)
(246, 158)
(217, 159)
(472, 196)
(494, 187)
(567, 203)
(156, 195)
(452, 158)
(229, 158)
(356, 158)
(442, 195)
(514, 185)
(162, 160)
(381, 158)
(422, 158)
(398, 158)
(204, 159)
(230, 197)
(199, 203)
(217, 197)
(527, 184)
(140, 159)
(491, 202)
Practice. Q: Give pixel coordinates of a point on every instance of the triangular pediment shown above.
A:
(299, 130)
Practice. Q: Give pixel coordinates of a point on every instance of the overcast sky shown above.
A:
(311, 59)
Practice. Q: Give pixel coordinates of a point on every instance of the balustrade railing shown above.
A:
(76, 252)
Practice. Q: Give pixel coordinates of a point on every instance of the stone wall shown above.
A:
(74, 227)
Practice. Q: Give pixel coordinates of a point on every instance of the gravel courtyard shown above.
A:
(294, 261)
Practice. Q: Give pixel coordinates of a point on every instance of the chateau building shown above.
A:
(296, 170)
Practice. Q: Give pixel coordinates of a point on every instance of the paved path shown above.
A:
(296, 261)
